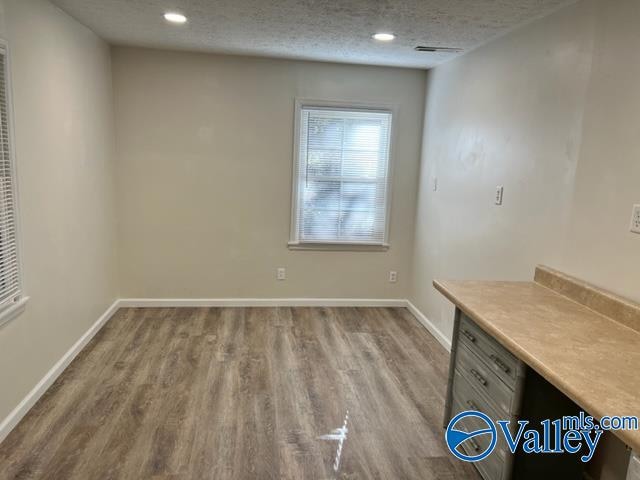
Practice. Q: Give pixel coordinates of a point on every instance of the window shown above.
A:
(10, 285)
(341, 175)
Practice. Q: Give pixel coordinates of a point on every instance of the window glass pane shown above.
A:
(320, 225)
(361, 164)
(358, 225)
(359, 196)
(324, 162)
(363, 135)
(343, 158)
(322, 196)
(325, 133)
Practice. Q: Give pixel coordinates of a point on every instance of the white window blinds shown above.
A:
(341, 181)
(9, 265)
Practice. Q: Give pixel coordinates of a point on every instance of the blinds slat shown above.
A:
(9, 296)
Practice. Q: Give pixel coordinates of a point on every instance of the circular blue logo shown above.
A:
(462, 440)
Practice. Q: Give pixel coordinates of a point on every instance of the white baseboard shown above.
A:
(261, 302)
(34, 395)
(433, 330)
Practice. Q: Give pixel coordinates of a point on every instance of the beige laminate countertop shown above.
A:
(591, 358)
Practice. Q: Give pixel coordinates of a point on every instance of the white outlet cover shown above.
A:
(281, 274)
(635, 219)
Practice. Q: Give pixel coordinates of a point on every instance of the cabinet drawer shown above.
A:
(485, 381)
(466, 398)
(493, 466)
(501, 362)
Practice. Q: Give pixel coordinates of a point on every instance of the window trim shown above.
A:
(380, 107)
(14, 309)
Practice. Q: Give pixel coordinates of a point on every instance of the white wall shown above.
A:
(64, 147)
(205, 148)
(551, 112)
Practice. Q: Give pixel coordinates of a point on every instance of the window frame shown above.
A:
(14, 309)
(379, 107)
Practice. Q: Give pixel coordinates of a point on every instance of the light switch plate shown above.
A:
(499, 192)
(635, 219)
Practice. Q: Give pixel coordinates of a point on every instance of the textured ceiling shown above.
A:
(327, 30)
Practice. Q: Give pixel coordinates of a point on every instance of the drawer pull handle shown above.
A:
(474, 445)
(468, 334)
(479, 377)
(472, 405)
(499, 363)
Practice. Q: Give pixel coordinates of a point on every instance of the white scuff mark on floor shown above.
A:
(338, 435)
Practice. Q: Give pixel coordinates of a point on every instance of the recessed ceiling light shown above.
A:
(383, 37)
(175, 17)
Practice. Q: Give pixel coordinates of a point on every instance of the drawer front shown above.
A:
(493, 466)
(501, 361)
(466, 398)
(484, 380)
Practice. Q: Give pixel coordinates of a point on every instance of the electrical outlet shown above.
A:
(499, 192)
(635, 219)
(393, 277)
(281, 274)
(435, 184)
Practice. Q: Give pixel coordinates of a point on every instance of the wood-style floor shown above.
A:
(244, 393)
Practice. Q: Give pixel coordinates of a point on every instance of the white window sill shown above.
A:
(12, 311)
(339, 247)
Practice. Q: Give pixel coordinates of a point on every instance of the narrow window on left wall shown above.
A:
(12, 299)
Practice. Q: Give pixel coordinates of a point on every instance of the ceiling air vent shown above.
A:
(422, 48)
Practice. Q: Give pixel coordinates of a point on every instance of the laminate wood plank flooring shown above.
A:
(244, 393)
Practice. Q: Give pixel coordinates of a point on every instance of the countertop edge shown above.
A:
(625, 435)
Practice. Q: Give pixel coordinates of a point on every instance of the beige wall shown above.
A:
(202, 178)
(599, 246)
(204, 146)
(551, 112)
(64, 147)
